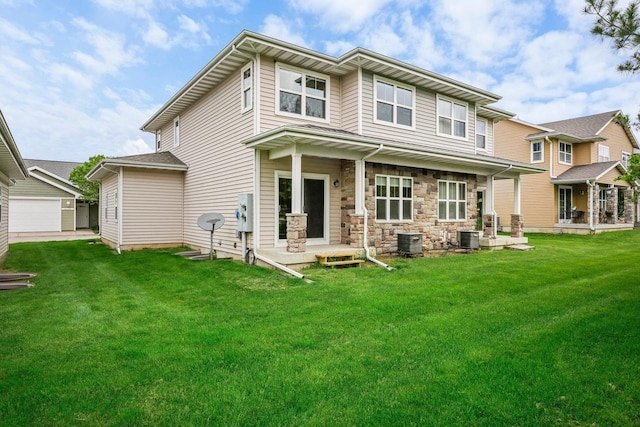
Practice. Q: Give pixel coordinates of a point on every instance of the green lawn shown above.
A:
(544, 337)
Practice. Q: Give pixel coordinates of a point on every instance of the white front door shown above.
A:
(82, 215)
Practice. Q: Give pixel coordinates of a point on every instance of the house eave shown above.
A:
(110, 166)
(11, 162)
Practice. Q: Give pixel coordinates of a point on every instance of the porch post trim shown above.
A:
(296, 183)
(359, 190)
(516, 195)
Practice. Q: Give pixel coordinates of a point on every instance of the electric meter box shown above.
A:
(244, 213)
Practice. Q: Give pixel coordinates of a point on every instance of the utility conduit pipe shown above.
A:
(366, 245)
(278, 265)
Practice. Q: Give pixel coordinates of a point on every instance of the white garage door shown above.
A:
(34, 215)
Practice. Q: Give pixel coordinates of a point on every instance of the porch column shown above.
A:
(517, 219)
(296, 183)
(489, 219)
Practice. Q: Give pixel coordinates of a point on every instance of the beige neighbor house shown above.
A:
(334, 154)
(12, 170)
(48, 202)
(579, 193)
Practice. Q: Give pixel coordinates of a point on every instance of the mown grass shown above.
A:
(545, 337)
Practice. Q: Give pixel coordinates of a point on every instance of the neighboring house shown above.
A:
(579, 193)
(12, 170)
(48, 202)
(319, 143)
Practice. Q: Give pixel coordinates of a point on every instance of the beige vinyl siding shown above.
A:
(610, 179)
(617, 141)
(489, 137)
(220, 166)
(108, 225)
(582, 153)
(33, 187)
(53, 180)
(151, 206)
(268, 99)
(537, 201)
(268, 203)
(4, 220)
(425, 121)
(350, 102)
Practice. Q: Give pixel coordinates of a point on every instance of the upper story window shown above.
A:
(302, 94)
(176, 131)
(452, 201)
(565, 153)
(158, 139)
(247, 88)
(625, 159)
(537, 152)
(395, 103)
(481, 134)
(603, 153)
(452, 118)
(394, 198)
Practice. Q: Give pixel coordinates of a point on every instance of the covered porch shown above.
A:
(360, 169)
(590, 199)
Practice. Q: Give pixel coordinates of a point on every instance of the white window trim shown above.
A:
(395, 85)
(466, 201)
(564, 162)
(244, 89)
(176, 131)
(485, 134)
(115, 207)
(466, 127)
(625, 162)
(158, 139)
(604, 148)
(541, 142)
(388, 198)
(303, 114)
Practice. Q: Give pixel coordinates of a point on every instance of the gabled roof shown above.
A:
(11, 162)
(247, 44)
(582, 129)
(583, 173)
(54, 167)
(162, 160)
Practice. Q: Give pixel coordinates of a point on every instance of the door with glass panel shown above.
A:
(564, 205)
(314, 191)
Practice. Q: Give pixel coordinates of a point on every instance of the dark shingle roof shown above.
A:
(58, 168)
(160, 158)
(583, 127)
(585, 172)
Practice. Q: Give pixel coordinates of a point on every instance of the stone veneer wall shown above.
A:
(382, 236)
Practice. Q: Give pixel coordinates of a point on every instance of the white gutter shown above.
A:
(278, 265)
(550, 157)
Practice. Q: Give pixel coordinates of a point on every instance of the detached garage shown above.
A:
(46, 201)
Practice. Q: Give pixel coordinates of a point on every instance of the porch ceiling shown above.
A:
(334, 143)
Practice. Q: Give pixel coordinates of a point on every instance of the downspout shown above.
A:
(494, 214)
(550, 157)
(119, 208)
(367, 252)
(278, 265)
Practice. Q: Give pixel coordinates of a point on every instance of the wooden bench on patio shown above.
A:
(333, 259)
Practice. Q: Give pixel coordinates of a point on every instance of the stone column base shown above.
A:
(488, 226)
(517, 225)
(356, 231)
(296, 232)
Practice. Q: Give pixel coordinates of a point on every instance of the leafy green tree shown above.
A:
(632, 176)
(621, 25)
(90, 190)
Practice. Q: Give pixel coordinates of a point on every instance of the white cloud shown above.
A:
(231, 6)
(134, 146)
(156, 36)
(139, 8)
(13, 32)
(338, 47)
(276, 27)
(61, 73)
(340, 15)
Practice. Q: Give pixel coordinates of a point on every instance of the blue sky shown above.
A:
(79, 77)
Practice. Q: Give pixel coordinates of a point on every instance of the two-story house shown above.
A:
(335, 152)
(579, 193)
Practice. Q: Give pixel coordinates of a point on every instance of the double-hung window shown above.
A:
(158, 139)
(302, 94)
(565, 153)
(452, 201)
(452, 118)
(603, 153)
(537, 152)
(394, 198)
(176, 131)
(481, 134)
(625, 159)
(395, 104)
(247, 88)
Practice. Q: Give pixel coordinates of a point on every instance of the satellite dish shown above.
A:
(210, 221)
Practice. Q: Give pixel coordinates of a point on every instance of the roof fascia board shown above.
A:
(609, 169)
(56, 185)
(10, 143)
(360, 53)
(613, 116)
(52, 175)
(525, 123)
